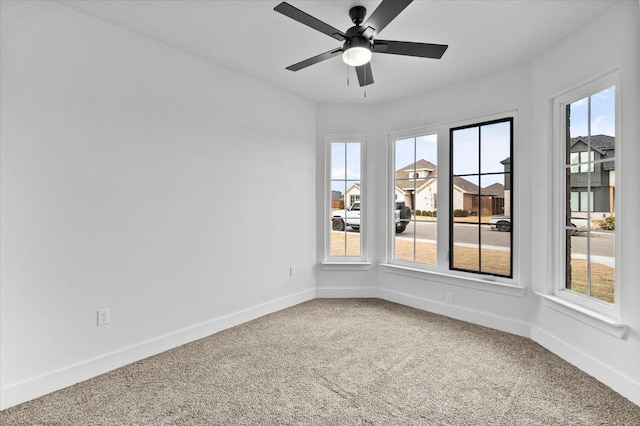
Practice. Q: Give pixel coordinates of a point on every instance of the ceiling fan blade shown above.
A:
(423, 50)
(365, 77)
(308, 20)
(319, 58)
(385, 13)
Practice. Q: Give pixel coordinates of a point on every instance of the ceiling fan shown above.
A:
(359, 42)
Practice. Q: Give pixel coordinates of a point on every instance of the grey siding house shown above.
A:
(599, 193)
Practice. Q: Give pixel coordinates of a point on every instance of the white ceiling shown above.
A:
(251, 38)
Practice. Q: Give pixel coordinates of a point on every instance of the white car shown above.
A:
(503, 223)
(351, 217)
(500, 223)
(580, 224)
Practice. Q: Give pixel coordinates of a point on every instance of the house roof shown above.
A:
(465, 185)
(354, 186)
(404, 183)
(604, 144)
(496, 189)
(600, 143)
(421, 164)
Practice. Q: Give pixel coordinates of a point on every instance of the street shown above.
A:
(602, 244)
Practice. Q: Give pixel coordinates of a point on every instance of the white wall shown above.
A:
(123, 163)
(611, 42)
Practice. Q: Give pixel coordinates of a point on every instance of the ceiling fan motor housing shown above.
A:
(357, 14)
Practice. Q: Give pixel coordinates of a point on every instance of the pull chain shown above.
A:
(365, 82)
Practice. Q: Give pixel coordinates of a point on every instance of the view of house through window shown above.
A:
(345, 199)
(481, 196)
(590, 182)
(415, 199)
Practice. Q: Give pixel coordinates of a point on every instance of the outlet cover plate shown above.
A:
(104, 316)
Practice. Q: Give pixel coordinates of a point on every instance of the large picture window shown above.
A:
(589, 175)
(480, 195)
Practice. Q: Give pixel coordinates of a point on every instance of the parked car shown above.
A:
(503, 223)
(500, 223)
(347, 217)
(351, 217)
(580, 224)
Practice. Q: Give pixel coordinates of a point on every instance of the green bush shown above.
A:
(609, 223)
(341, 205)
(426, 213)
(418, 213)
(460, 213)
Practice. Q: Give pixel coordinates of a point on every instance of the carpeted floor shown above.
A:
(341, 362)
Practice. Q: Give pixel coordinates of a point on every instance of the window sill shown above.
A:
(346, 266)
(597, 320)
(457, 280)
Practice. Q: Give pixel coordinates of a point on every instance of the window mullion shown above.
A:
(589, 205)
(479, 198)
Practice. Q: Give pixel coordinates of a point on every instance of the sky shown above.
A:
(426, 147)
(494, 146)
(603, 119)
(345, 162)
(345, 157)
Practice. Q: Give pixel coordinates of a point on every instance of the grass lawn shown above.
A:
(493, 262)
(602, 279)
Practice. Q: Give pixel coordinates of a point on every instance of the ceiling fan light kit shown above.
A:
(359, 41)
(357, 51)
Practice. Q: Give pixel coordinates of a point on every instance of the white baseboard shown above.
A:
(346, 292)
(67, 376)
(625, 386)
(457, 312)
(53, 381)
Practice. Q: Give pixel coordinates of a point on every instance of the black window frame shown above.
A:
(509, 120)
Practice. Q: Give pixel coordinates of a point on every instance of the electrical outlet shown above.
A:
(449, 297)
(104, 316)
(292, 270)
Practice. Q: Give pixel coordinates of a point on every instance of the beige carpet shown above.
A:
(341, 362)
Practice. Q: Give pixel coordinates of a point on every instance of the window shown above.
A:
(588, 126)
(415, 209)
(475, 235)
(583, 160)
(480, 198)
(581, 201)
(345, 212)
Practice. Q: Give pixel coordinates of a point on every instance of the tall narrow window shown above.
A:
(589, 174)
(415, 187)
(481, 207)
(346, 213)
